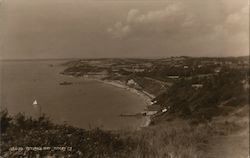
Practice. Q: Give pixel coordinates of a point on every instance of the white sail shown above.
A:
(35, 102)
(37, 108)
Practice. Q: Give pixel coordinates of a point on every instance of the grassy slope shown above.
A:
(22, 132)
(170, 139)
(154, 141)
(219, 95)
(232, 142)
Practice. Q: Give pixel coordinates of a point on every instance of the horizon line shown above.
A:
(75, 58)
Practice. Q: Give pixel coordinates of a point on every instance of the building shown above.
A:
(139, 70)
(197, 86)
(164, 110)
(149, 113)
(131, 82)
(153, 102)
(173, 77)
(217, 70)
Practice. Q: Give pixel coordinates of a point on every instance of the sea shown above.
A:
(84, 103)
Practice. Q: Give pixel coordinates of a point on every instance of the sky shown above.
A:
(39, 29)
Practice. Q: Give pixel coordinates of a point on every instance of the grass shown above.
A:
(166, 139)
(171, 141)
(155, 141)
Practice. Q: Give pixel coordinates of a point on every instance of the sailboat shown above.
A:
(35, 102)
(36, 106)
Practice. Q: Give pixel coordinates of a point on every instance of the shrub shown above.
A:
(5, 121)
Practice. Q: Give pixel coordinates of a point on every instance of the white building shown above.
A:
(149, 113)
(164, 110)
(131, 82)
(153, 102)
(173, 77)
(197, 86)
(217, 70)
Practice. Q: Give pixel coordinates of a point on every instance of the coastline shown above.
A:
(141, 93)
(145, 96)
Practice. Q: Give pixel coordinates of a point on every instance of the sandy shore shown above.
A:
(143, 94)
(147, 97)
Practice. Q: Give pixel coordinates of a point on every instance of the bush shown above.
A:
(5, 121)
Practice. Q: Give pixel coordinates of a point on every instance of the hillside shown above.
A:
(216, 95)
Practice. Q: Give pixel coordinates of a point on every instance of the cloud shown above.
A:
(119, 30)
(234, 25)
(232, 32)
(238, 19)
(132, 14)
(154, 16)
(166, 19)
(236, 28)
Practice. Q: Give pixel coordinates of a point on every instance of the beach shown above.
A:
(141, 93)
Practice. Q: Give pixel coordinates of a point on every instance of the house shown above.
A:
(164, 110)
(197, 86)
(131, 82)
(217, 70)
(177, 65)
(173, 77)
(139, 70)
(153, 102)
(149, 113)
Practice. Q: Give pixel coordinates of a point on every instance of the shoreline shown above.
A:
(147, 97)
(143, 94)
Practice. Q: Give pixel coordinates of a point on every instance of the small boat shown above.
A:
(35, 104)
(37, 107)
(66, 83)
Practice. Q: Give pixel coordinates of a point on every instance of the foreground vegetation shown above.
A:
(21, 131)
(169, 139)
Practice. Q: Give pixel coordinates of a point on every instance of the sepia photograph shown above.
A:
(124, 79)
